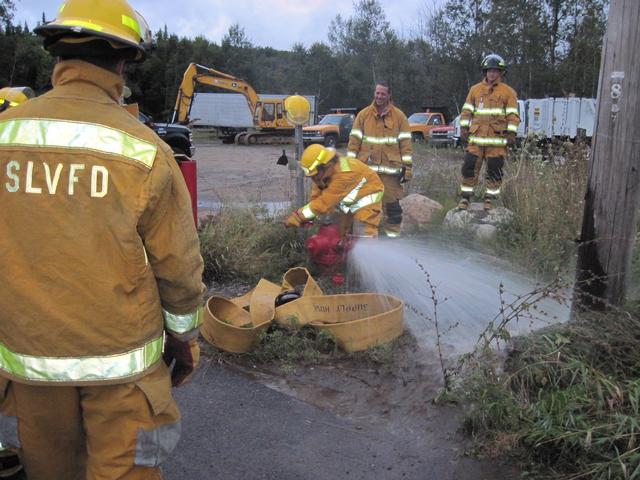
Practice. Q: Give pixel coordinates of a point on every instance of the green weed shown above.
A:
(248, 244)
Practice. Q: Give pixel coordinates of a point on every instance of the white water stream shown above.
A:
(467, 289)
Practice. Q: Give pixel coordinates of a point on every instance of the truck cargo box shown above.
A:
(230, 109)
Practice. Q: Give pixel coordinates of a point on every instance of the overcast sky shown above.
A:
(274, 23)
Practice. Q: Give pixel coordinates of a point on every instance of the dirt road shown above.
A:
(235, 174)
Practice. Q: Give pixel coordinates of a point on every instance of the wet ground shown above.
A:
(343, 419)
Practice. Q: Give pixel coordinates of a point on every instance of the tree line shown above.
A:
(552, 48)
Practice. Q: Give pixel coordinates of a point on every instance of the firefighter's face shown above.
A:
(493, 74)
(382, 96)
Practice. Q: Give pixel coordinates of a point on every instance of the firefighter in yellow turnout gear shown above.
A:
(381, 138)
(100, 265)
(343, 184)
(489, 122)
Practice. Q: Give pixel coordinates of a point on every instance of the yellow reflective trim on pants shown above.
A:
(465, 188)
(352, 154)
(183, 323)
(391, 234)
(81, 369)
(468, 106)
(493, 192)
(488, 141)
(512, 128)
(356, 133)
(408, 159)
(50, 133)
(307, 213)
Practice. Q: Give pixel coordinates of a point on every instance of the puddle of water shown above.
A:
(466, 290)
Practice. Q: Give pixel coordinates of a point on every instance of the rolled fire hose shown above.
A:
(356, 321)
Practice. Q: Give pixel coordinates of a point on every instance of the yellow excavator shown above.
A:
(269, 116)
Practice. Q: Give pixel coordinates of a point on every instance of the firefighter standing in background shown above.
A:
(380, 137)
(488, 123)
(100, 262)
(343, 184)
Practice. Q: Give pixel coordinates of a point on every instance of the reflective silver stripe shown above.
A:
(488, 141)
(356, 133)
(407, 159)
(350, 197)
(81, 369)
(154, 446)
(465, 188)
(380, 140)
(512, 128)
(509, 110)
(489, 111)
(404, 135)
(391, 234)
(493, 191)
(307, 213)
(387, 170)
(465, 122)
(468, 106)
(366, 201)
(76, 135)
(352, 154)
(183, 323)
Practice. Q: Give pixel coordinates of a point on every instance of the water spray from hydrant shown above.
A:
(467, 289)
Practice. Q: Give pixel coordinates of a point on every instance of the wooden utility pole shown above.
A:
(613, 190)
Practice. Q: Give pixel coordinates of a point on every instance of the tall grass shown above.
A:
(543, 186)
(567, 403)
(249, 244)
(545, 190)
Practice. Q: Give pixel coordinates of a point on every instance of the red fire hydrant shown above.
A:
(329, 249)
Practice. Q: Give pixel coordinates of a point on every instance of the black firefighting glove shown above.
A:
(184, 355)
(464, 135)
(406, 175)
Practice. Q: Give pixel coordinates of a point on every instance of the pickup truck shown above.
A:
(178, 137)
(447, 135)
(421, 124)
(334, 128)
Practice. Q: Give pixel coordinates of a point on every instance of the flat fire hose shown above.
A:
(356, 321)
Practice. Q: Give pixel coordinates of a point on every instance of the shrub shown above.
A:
(249, 244)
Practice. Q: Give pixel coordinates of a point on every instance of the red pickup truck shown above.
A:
(447, 135)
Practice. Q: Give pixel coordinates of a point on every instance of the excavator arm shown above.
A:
(199, 75)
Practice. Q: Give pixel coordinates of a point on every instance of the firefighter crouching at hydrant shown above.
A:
(343, 184)
(381, 138)
(100, 261)
(489, 122)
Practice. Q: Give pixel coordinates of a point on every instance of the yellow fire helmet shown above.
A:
(297, 108)
(313, 156)
(80, 23)
(14, 96)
